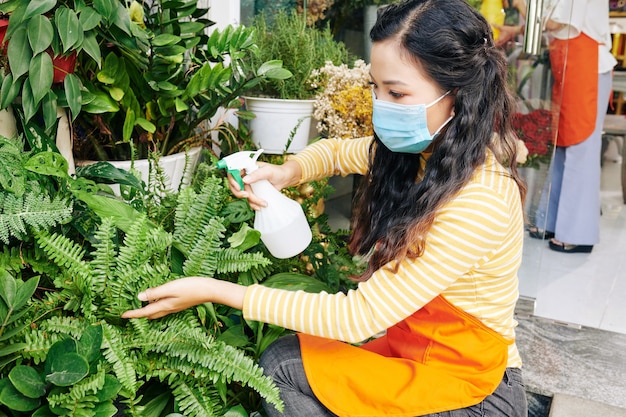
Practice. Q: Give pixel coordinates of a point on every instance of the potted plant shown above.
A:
(301, 49)
(161, 97)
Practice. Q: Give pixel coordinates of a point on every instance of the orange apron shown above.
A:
(574, 64)
(438, 359)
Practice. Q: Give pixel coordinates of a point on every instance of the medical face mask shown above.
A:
(403, 128)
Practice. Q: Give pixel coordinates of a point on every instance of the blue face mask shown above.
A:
(403, 128)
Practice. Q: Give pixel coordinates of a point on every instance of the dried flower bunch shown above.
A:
(535, 130)
(316, 9)
(343, 108)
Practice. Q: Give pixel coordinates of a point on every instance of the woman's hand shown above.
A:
(183, 293)
(280, 176)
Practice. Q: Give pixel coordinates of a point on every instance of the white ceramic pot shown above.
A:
(175, 167)
(276, 119)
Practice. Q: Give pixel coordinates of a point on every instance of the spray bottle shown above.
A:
(282, 223)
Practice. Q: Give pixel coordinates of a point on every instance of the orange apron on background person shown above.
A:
(440, 358)
(574, 65)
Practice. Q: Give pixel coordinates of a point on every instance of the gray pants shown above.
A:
(282, 362)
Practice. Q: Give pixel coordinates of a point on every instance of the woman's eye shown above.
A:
(395, 94)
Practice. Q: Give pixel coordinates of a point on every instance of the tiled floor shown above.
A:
(583, 289)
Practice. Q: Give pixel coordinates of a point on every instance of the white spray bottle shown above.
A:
(282, 223)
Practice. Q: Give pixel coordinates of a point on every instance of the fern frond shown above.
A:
(232, 260)
(202, 258)
(32, 209)
(196, 400)
(195, 211)
(83, 391)
(103, 263)
(64, 326)
(119, 359)
(39, 343)
(142, 242)
(66, 254)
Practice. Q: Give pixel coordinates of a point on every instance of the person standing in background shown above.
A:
(582, 64)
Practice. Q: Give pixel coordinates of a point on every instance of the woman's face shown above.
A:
(398, 80)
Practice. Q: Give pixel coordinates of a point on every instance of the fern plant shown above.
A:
(95, 288)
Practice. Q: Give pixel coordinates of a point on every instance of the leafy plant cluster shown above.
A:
(66, 276)
(300, 48)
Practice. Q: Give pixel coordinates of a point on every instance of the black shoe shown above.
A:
(567, 248)
(537, 233)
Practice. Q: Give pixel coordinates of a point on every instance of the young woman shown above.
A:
(439, 216)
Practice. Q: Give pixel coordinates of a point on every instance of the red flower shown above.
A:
(535, 129)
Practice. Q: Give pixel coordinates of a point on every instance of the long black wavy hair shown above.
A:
(453, 44)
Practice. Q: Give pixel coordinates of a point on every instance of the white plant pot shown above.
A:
(274, 121)
(176, 167)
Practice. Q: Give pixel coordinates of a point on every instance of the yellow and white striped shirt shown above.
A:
(472, 254)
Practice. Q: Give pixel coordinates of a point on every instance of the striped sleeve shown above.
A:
(328, 157)
(467, 233)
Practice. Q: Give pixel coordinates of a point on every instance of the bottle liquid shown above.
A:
(493, 12)
(282, 223)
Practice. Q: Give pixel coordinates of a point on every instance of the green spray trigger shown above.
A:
(233, 164)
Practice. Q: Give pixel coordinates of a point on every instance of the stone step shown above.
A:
(564, 405)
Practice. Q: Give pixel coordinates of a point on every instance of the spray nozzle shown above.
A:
(234, 163)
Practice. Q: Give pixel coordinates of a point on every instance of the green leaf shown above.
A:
(107, 173)
(25, 292)
(245, 238)
(106, 9)
(14, 399)
(8, 288)
(38, 7)
(293, 281)
(236, 411)
(69, 28)
(27, 381)
(110, 389)
(58, 349)
(19, 53)
(72, 94)
(37, 138)
(49, 108)
(28, 103)
(165, 39)
(48, 163)
(90, 342)
(40, 76)
(89, 18)
(67, 369)
(129, 125)
(91, 47)
(9, 90)
(274, 69)
(40, 33)
(99, 102)
(145, 124)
